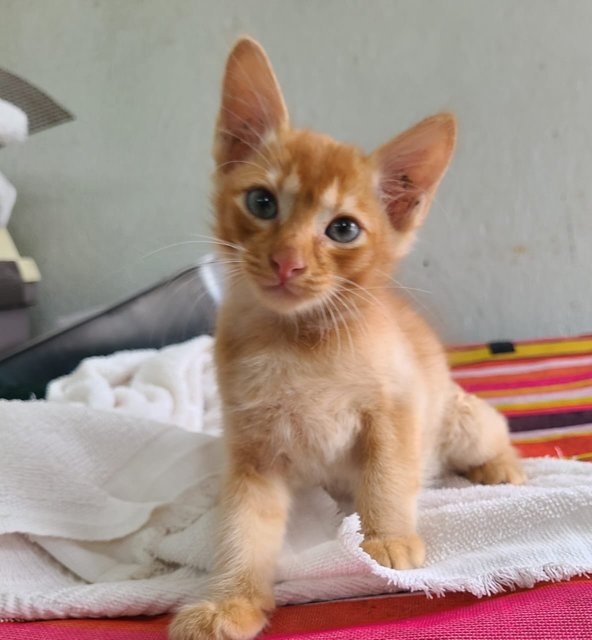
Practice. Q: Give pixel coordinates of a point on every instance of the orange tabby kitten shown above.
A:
(326, 377)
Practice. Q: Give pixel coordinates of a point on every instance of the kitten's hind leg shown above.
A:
(476, 442)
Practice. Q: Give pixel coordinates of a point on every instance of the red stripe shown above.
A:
(558, 447)
(508, 383)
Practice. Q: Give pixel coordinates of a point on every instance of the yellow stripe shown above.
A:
(584, 456)
(520, 391)
(551, 437)
(478, 354)
(566, 402)
(456, 358)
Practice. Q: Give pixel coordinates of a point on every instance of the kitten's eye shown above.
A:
(343, 230)
(261, 203)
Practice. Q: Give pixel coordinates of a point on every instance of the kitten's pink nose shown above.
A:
(287, 264)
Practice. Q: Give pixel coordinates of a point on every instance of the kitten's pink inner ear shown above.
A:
(411, 166)
(252, 103)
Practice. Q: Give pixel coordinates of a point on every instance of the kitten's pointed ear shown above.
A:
(252, 103)
(411, 166)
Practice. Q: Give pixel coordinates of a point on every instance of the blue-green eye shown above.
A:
(262, 203)
(343, 230)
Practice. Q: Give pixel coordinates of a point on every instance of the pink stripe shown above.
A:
(541, 382)
(54, 631)
(514, 366)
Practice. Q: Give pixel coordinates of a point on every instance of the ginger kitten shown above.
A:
(326, 377)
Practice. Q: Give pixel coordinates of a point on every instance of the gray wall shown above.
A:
(507, 249)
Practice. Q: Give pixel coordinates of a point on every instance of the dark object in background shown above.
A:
(14, 291)
(18, 291)
(174, 310)
(501, 346)
(15, 328)
(42, 111)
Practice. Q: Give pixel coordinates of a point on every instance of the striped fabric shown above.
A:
(537, 384)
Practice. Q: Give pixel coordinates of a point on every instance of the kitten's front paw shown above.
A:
(407, 552)
(505, 468)
(232, 619)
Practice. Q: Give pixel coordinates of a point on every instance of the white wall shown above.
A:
(507, 249)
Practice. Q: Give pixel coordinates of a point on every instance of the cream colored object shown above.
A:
(7, 199)
(8, 252)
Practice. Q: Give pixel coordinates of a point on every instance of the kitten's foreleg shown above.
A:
(387, 496)
(254, 509)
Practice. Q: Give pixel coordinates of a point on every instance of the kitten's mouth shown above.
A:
(290, 296)
(283, 290)
(284, 297)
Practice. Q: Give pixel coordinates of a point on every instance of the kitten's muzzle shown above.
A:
(287, 264)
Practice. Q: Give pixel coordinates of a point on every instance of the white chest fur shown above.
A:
(301, 411)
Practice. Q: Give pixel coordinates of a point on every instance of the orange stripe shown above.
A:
(580, 403)
(528, 390)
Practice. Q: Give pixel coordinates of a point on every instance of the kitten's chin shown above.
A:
(285, 299)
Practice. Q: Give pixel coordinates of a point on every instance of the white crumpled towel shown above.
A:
(111, 514)
(175, 384)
